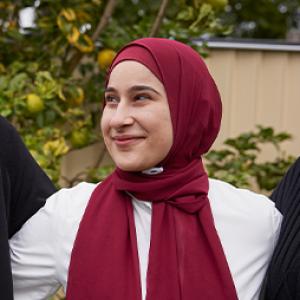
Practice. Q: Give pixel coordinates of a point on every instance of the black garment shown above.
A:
(283, 277)
(23, 190)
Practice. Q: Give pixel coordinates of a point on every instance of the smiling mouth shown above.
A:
(127, 140)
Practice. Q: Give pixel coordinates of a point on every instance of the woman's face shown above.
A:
(136, 122)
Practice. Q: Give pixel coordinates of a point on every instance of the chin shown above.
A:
(128, 167)
(132, 167)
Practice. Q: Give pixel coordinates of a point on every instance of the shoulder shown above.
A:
(223, 193)
(244, 208)
(248, 226)
(48, 236)
(7, 131)
(70, 202)
(13, 151)
(4, 124)
(286, 195)
(63, 209)
(8, 135)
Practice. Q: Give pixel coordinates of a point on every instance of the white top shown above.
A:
(247, 223)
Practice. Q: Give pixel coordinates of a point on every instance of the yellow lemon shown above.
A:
(34, 103)
(78, 100)
(105, 57)
(79, 138)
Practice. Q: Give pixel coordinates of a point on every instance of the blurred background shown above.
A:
(54, 56)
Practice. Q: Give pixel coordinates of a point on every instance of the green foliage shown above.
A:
(98, 174)
(262, 19)
(45, 125)
(237, 162)
(51, 77)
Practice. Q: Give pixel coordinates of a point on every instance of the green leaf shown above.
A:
(18, 82)
(186, 14)
(40, 120)
(240, 166)
(204, 11)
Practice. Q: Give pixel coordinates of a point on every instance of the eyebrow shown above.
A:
(134, 88)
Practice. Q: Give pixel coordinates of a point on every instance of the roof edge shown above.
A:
(249, 44)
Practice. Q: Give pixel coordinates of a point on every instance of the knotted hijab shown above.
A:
(186, 259)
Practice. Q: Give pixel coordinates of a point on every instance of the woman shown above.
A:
(157, 228)
(23, 190)
(283, 278)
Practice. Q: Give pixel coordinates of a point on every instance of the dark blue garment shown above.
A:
(23, 190)
(283, 277)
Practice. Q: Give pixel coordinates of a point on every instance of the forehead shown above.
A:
(132, 72)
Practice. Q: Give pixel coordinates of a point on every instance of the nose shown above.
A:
(122, 116)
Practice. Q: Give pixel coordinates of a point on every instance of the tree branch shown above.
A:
(156, 25)
(108, 11)
(76, 179)
(14, 12)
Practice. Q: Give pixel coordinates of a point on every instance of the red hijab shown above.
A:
(186, 259)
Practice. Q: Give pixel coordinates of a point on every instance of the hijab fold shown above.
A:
(186, 259)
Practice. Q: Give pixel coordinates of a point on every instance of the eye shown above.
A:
(140, 97)
(111, 99)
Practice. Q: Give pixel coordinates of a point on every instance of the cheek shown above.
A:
(163, 130)
(167, 124)
(166, 136)
(104, 124)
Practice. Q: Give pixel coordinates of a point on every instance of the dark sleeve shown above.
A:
(25, 186)
(287, 194)
(283, 277)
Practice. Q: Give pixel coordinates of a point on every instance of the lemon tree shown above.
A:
(54, 56)
(34, 103)
(105, 57)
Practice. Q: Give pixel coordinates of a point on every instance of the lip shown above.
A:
(125, 140)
